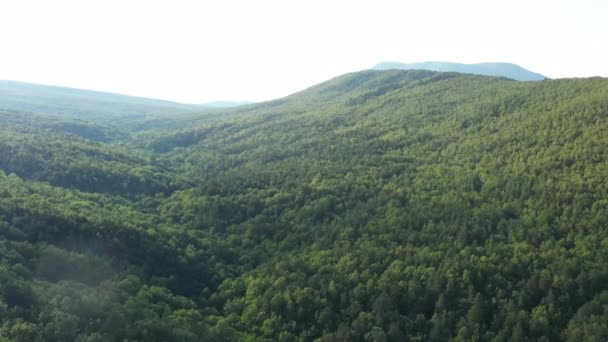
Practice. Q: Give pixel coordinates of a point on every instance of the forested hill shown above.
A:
(377, 206)
(509, 70)
(93, 106)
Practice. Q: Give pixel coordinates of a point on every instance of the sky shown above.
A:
(200, 51)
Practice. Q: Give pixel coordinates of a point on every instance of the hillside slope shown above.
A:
(380, 205)
(94, 106)
(507, 70)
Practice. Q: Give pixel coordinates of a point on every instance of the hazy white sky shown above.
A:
(198, 51)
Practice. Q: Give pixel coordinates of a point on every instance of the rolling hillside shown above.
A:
(93, 106)
(377, 206)
(507, 70)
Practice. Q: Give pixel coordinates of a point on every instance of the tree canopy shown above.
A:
(377, 206)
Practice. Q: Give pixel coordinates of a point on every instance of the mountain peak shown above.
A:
(508, 70)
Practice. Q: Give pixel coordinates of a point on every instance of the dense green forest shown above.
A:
(377, 206)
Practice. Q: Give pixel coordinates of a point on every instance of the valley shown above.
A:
(381, 205)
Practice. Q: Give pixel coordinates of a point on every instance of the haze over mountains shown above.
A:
(105, 107)
(507, 70)
(381, 205)
(225, 104)
(95, 106)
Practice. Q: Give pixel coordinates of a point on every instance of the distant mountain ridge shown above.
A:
(94, 106)
(507, 70)
(225, 104)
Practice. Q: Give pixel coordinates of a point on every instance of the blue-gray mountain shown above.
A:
(507, 70)
(225, 104)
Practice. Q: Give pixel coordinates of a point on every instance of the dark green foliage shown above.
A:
(68, 161)
(378, 206)
(83, 129)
